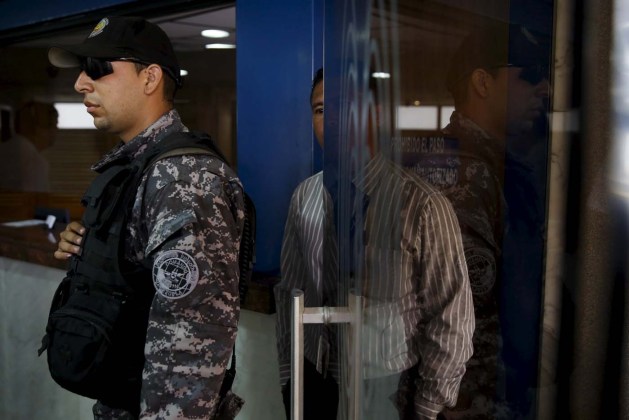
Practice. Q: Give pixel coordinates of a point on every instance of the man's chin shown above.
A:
(520, 129)
(101, 124)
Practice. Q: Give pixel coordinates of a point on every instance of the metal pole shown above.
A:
(356, 309)
(351, 315)
(297, 356)
(327, 315)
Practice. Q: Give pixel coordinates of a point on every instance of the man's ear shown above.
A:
(480, 81)
(154, 75)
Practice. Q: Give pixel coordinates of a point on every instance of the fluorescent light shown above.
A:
(183, 72)
(219, 46)
(380, 75)
(445, 113)
(73, 116)
(417, 117)
(214, 33)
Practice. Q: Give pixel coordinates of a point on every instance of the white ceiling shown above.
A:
(205, 67)
(183, 29)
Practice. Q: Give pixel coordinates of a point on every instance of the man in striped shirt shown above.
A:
(418, 312)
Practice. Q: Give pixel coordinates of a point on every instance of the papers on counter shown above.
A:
(24, 223)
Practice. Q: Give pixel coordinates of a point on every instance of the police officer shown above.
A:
(185, 225)
(499, 86)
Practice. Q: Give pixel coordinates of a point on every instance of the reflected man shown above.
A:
(417, 300)
(499, 87)
(23, 167)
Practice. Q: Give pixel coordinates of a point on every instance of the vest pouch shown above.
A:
(61, 294)
(108, 188)
(80, 338)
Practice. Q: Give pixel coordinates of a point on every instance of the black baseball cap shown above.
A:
(494, 45)
(116, 37)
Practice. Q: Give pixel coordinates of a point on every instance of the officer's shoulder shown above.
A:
(198, 161)
(191, 168)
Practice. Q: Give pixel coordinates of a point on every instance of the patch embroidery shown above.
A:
(175, 274)
(482, 270)
(99, 27)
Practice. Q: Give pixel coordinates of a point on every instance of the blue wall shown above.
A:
(275, 64)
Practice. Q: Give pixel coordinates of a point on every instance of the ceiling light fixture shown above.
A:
(183, 72)
(214, 33)
(219, 46)
(380, 75)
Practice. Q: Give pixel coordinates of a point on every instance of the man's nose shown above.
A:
(543, 88)
(83, 83)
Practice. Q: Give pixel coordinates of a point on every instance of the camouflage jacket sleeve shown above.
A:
(193, 222)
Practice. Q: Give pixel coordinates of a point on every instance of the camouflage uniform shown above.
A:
(187, 221)
(467, 165)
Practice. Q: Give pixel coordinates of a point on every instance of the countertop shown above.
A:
(36, 244)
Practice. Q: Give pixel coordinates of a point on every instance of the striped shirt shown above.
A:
(302, 267)
(418, 310)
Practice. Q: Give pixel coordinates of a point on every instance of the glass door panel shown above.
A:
(436, 149)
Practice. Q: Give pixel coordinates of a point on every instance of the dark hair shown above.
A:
(458, 89)
(35, 114)
(318, 78)
(490, 46)
(170, 86)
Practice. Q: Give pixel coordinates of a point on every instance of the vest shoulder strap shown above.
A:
(179, 152)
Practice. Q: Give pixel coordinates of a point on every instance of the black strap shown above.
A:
(230, 375)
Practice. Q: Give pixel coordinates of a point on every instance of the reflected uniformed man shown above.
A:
(185, 224)
(498, 81)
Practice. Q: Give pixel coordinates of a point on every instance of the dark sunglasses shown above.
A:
(532, 74)
(96, 68)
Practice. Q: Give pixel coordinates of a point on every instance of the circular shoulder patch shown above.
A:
(481, 267)
(175, 274)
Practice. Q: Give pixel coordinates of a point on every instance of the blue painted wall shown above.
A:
(275, 64)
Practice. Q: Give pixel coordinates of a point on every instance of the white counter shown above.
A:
(28, 393)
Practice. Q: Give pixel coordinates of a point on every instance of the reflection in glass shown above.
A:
(488, 157)
(23, 167)
(404, 255)
(499, 84)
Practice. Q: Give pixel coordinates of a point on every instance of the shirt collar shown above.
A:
(372, 174)
(168, 123)
(473, 139)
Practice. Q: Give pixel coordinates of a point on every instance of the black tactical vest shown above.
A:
(99, 314)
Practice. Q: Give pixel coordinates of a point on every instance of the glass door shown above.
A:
(435, 160)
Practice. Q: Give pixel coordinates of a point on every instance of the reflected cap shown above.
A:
(121, 37)
(494, 45)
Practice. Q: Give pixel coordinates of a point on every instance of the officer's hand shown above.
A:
(70, 241)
